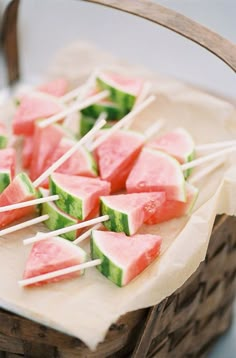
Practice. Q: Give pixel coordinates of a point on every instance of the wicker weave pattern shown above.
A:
(191, 320)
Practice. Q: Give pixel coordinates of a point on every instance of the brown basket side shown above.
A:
(184, 325)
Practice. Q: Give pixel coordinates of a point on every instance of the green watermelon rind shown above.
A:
(86, 124)
(124, 99)
(5, 179)
(67, 202)
(191, 156)
(118, 220)
(57, 218)
(3, 141)
(92, 162)
(27, 184)
(111, 109)
(107, 267)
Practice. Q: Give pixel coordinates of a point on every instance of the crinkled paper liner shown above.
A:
(86, 307)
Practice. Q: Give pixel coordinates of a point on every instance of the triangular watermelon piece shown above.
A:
(51, 255)
(80, 163)
(123, 90)
(59, 219)
(7, 167)
(19, 190)
(3, 136)
(123, 257)
(79, 196)
(172, 209)
(116, 156)
(128, 212)
(45, 141)
(32, 107)
(178, 143)
(156, 171)
(57, 87)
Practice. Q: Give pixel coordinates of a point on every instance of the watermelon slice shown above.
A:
(51, 255)
(27, 151)
(123, 90)
(7, 167)
(33, 107)
(79, 196)
(157, 171)
(57, 87)
(123, 257)
(3, 136)
(79, 163)
(128, 212)
(171, 209)
(177, 143)
(19, 190)
(59, 219)
(45, 141)
(116, 156)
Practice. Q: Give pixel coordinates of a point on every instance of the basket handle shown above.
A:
(221, 47)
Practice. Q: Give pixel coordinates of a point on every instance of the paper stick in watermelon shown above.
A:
(45, 235)
(58, 273)
(143, 94)
(24, 225)
(205, 171)
(24, 204)
(216, 145)
(86, 234)
(77, 106)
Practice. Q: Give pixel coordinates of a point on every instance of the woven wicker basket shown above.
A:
(184, 324)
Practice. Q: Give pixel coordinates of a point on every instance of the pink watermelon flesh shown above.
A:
(135, 208)
(129, 85)
(87, 189)
(79, 162)
(8, 160)
(45, 141)
(177, 143)
(18, 190)
(116, 156)
(51, 255)
(128, 256)
(157, 171)
(27, 151)
(172, 209)
(33, 107)
(57, 87)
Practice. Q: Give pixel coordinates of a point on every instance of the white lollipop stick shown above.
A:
(102, 116)
(81, 91)
(67, 270)
(86, 234)
(143, 94)
(216, 145)
(207, 158)
(127, 120)
(46, 235)
(25, 204)
(77, 106)
(154, 129)
(205, 171)
(23, 225)
(67, 155)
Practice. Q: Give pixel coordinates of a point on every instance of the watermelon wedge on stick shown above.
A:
(127, 212)
(123, 90)
(79, 196)
(177, 143)
(27, 151)
(51, 255)
(123, 257)
(33, 107)
(7, 167)
(3, 136)
(156, 171)
(116, 156)
(58, 219)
